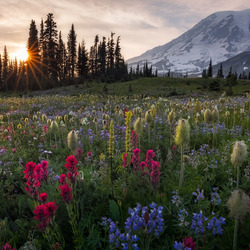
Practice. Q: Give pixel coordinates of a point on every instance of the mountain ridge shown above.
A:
(219, 37)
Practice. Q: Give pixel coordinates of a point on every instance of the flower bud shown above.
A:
(73, 141)
(239, 153)
(54, 127)
(171, 116)
(208, 116)
(138, 126)
(215, 116)
(238, 204)
(149, 117)
(182, 132)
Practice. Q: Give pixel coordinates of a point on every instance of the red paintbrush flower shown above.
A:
(43, 197)
(66, 192)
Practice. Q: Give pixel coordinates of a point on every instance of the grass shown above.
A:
(160, 86)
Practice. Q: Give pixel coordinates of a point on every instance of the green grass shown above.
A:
(159, 86)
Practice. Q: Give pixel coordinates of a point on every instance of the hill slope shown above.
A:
(220, 36)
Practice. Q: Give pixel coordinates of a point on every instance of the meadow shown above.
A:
(91, 171)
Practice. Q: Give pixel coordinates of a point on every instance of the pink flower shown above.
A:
(52, 207)
(42, 215)
(125, 160)
(6, 246)
(134, 139)
(63, 178)
(136, 159)
(14, 150)
(188, 242)
(66, 192)
(149, 159)
(43, 197)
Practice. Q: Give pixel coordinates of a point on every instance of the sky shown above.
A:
(141, 24)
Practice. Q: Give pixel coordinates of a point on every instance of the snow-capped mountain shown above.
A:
(238, 64)
(219, 37)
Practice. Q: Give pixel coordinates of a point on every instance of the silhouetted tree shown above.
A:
(50, 38)
(5, 68)
(72, 51)
(210, 69)
(220, 72)
(82, 63)
(34, 59)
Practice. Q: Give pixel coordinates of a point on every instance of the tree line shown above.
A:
(52, 62)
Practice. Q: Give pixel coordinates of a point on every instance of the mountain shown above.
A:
(238, 63)
(219, 37)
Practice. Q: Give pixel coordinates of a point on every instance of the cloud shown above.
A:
(142, 24)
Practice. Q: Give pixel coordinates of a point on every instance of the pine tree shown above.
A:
(72, 50)
(5, 68)
(60, 57)
(33, 62)
(111, 56)
(103, 59)
(210, 69)
(50, 38)
(204, 73)
(1, 81)
(82, 63)
(220, 72)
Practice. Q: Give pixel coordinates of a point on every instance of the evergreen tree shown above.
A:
(103, 59)
(220, 72)
(50, 38)
(60, 57)
(1, 81)
(249, 76)
(33, 62)
(204, 73)
(72, 51)
(210, 69)
(5, 68)
(111, 56)
(82, 63)
(96, 57)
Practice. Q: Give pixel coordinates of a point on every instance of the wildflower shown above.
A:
(72, 169)
(6, 246)
(149, 118)
(138, 126)
(155, 174)
(197, 222)
(176, 198)
(239, 153)
(52, 207)
(182, 216)
(72, 141)
(19, 126)
(215, 197)
(43, 197)
(42, 215)
(32, 180)
(45, 129)
(13, 150)
(208, 116)
(182, 133)
(215, 225)
(134, 140)
(188, 242)
(238, 204)
(66, 192)
(199, 195)
(171, 117)
(136, 159)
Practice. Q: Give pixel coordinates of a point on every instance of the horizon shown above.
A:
(157, 23)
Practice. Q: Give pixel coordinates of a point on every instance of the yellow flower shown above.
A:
(26, 120)
(1, 117)
(19, 126)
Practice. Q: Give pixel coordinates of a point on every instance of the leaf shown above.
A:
(114, 210)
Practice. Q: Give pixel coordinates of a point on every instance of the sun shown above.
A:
(22, 55)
